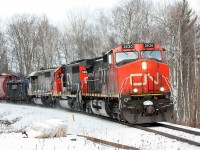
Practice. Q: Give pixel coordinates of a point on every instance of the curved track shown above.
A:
(168, 135)
(179, 129)
(146, 127)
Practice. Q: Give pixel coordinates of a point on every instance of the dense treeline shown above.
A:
(28, 43)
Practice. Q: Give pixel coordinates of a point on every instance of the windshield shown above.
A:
(152, 54)
(120, 56)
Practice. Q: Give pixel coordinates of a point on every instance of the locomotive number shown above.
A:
(148, 45)
(144, 79)
(84, 71)
(127, 46)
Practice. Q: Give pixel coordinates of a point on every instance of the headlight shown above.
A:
(148, 103)
(162, 89)
(135, 90)
(144, 65)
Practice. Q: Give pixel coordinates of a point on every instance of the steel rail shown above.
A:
(168, 135)
(179, 129)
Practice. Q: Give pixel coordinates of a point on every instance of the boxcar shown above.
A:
(17, 90)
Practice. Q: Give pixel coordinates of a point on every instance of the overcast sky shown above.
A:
(195, 4)
(56, 9)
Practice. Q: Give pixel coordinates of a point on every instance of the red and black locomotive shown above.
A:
(129, 83)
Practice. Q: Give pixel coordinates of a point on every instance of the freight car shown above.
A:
(4, 78)
(17, 90)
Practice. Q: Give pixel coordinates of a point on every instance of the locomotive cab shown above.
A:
(57, 83)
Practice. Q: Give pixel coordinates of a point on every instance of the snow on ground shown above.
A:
(21, 116)
(178, 133)
(185, 127)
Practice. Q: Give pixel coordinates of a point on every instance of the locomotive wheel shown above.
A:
(88, 108)
(119, 117)
(56, 104)
(129, 116)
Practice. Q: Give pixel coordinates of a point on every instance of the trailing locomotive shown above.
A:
(74, 85)
(40, 86)
(129, 83)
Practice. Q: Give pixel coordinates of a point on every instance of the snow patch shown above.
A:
(47, 129)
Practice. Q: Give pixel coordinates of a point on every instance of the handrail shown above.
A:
(123, 83)
(170, 87)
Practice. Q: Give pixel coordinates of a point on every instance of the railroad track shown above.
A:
(179, 129)
(168, 135)
(145, 127)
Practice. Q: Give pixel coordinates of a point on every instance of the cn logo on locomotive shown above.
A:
(144, 79)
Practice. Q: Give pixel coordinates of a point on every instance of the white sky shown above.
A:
(195, 4)
(56, 10)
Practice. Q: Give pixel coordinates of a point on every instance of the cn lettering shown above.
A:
(144, 79)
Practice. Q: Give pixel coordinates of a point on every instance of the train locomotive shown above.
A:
(40, 86)
(129, 83)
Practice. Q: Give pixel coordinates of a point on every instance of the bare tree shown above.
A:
(131, 21)
(77, 34)
(3, 53)
(23, 40)
(195, 105)
(48, 44)
(178, 25)
(34, 43)
(103, 39)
